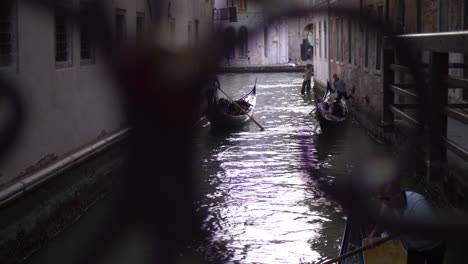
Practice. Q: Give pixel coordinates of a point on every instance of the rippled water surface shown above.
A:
(260, 195)
(262, 203)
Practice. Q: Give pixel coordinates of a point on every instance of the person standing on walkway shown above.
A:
(406, 206)
(307, 79)
(340, 88)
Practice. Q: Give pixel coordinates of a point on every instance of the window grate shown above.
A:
(140, 23)
(120, 23)
(61, 37)
(87, 43)
(7, 38)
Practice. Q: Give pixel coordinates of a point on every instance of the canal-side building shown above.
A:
(73, 113)
(184, 24)
(302, 33)
(355, 52)
(261, 42)
(301, 41)
(69, 100)
(68, 97)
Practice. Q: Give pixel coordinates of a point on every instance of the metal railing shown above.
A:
(433, 87)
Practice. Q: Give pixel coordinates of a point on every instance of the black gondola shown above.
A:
(354, 233)
(224, 112)
(352, 238)
(339, 112)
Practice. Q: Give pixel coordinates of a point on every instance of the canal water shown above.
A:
(263, 200)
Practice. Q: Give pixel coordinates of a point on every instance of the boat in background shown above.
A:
(224, 112)
(339, 108)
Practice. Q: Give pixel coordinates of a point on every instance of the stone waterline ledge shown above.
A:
(261, 68)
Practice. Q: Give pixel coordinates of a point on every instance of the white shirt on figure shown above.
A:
(417, 211)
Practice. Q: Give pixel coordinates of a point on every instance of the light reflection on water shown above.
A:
(260, 203)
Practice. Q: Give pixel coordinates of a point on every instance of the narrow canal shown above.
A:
(261, 199)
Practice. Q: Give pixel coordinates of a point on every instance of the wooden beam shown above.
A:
(455, 148)
(405, 116)
(455, 41)
(454, 82)
(407, 106)
(404, 92)
(457, 115)
(405, 85)
(396, 67)
(458, 106)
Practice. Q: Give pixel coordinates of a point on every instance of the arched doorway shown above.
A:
(308, 42)
(230, 54)
(243, 43)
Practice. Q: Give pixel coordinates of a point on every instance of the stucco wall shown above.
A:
(64, 108)
(274, 32)
(70, 107)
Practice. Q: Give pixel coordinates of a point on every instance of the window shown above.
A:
(366, 48)
(418, 16)
(443, 15)
(8, 42)
(350, 48)
(231, 35)
(342, 59)
(465, 5)
(265, 41)
(140, 26)
(338, 40)
(63, 35)
(87, 44)
(120, 25)
(325, 39)
(378, 44)
(315, 32)
(357, 46)
(243, 37)
(387, 11)
(172, 24)
(196, 32)
(332, 42)
(189, 33)
(242, 5)
(400, 27)
(320, 39)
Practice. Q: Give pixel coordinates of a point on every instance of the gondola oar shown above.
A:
(255, 121)
(357, 250)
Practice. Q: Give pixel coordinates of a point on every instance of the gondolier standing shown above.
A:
(307, 78)
(340, 87)
(410, 206)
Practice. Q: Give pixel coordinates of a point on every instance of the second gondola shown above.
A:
(229, 113)
(330, 109)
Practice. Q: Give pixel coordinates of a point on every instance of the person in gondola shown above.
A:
(307, 79)
(410, 206)
(340, 88)
(324, 108)
(337, 109)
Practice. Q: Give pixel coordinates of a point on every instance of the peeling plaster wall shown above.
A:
(70, 107)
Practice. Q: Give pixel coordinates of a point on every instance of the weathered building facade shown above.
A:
(69, 97)
(67, 150)
(261, 42)
(353, 50)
